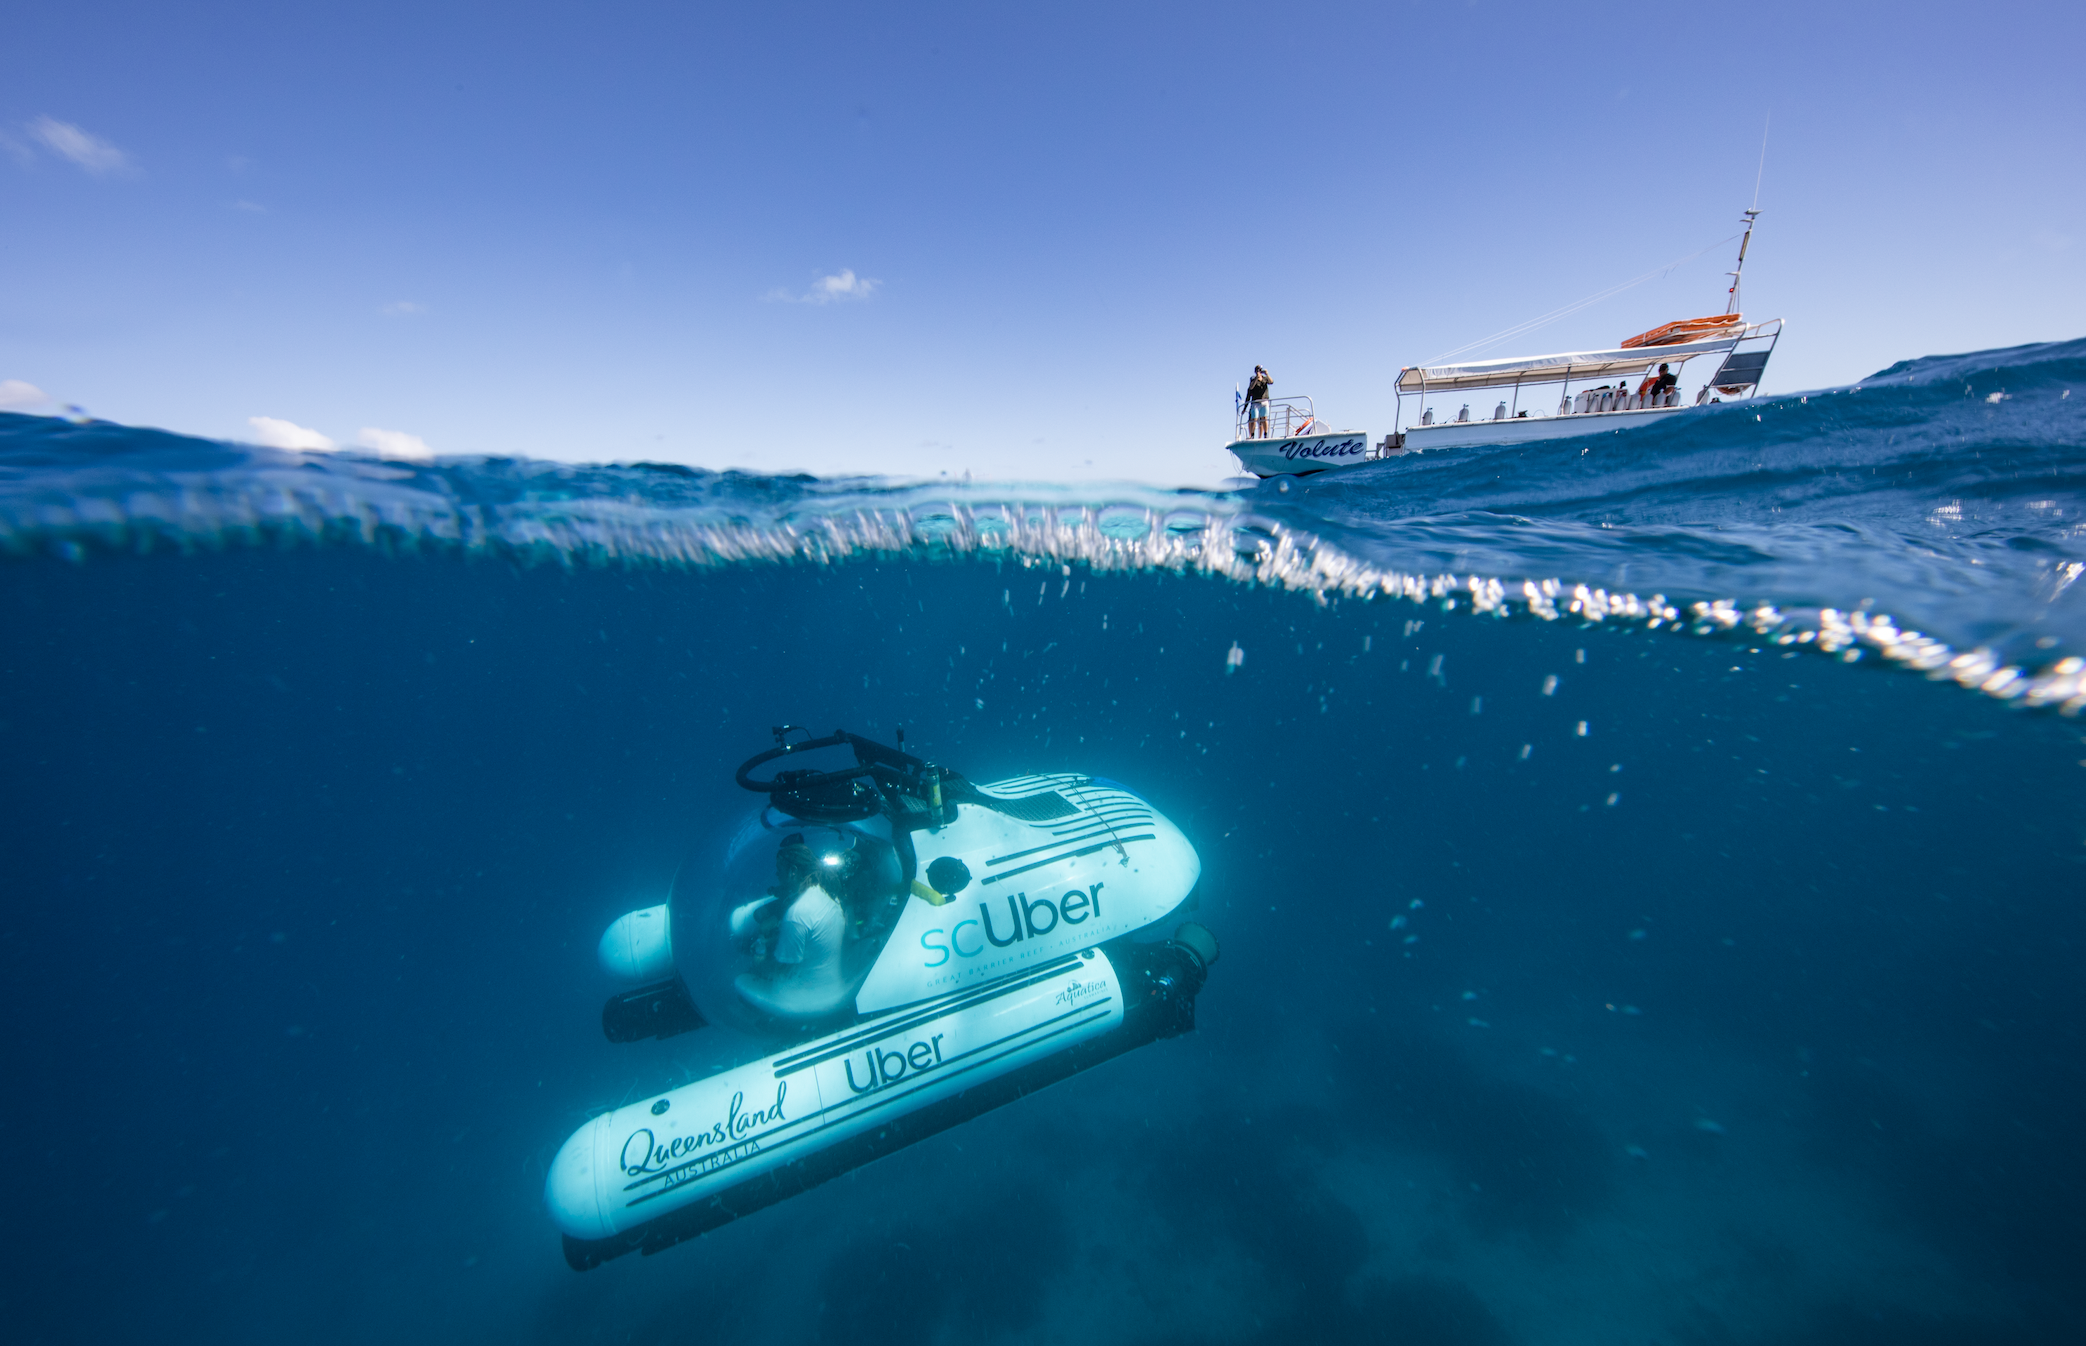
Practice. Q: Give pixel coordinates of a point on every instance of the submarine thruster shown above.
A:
(916, 949)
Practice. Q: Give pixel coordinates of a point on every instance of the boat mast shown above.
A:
(1747, 238)
(1751, 215)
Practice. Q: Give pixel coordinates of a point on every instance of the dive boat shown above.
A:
(894, 999)
(1283, 436)
(1642, 388)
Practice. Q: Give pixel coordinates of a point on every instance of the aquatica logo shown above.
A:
(1078, 993)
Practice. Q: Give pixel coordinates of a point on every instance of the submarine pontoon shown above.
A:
(915, 949)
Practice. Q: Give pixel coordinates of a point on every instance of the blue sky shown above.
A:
(1020, 242)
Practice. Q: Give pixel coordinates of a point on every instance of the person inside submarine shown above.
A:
(798, 933)
(813, 935)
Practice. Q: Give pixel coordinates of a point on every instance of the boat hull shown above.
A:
(1300, 455)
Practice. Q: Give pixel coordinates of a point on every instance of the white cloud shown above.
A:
(15, 395)
(846, 285)
(838, 288)
(84, 148)
(251, 206)
(393, 443)
(279, 434)
(403, 308)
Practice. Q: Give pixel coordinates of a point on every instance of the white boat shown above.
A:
(1290, 440)
(1616, 389)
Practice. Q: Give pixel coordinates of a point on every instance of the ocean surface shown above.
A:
(1649, 871)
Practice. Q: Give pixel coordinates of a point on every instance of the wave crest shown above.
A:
(1948, 489)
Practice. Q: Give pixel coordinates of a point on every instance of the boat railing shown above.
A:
(1276, 418)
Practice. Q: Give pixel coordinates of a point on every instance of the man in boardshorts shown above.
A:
(1257, 403)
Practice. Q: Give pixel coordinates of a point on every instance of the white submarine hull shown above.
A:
(1042, 889)
(649, 1175)
(961, 945)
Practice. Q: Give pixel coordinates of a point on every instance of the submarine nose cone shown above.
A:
(580, 1180)
(639, 945)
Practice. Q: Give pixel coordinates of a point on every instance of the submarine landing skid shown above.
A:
(661, 1010)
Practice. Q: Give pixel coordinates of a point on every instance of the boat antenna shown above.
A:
(1762, 171)
(1751, 216)
(1519, 329)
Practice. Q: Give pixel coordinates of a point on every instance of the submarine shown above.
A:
(910, 948)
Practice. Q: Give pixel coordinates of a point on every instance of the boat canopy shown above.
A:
(1539, 369)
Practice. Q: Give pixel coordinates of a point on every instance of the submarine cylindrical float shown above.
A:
(915, 948)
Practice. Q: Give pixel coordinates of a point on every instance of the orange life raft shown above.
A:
(1687, 329)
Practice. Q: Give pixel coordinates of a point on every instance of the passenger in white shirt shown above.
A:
(810, 935)
(806, 979)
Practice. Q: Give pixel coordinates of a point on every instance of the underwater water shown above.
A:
(1685, 951)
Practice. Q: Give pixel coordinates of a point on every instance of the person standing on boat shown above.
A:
(1257, 403)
